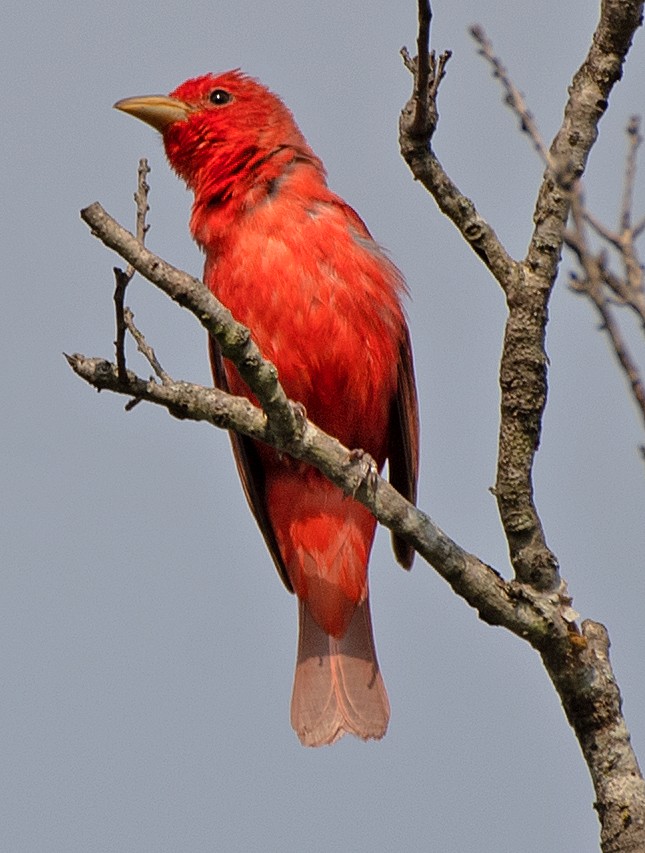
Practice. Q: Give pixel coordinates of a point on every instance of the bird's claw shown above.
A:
(366, 471)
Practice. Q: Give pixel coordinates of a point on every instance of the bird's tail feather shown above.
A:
(338, 688)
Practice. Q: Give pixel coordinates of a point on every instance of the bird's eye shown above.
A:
(219, 97)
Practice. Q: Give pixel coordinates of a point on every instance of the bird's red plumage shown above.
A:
(297, 265)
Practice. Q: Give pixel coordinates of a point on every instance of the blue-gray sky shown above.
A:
(147, 642)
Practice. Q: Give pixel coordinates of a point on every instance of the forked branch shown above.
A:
(595, 716)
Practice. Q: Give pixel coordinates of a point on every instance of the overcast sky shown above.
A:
(147, 642)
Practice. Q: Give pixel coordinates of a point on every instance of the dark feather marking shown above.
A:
(403, 443)
(251, 472)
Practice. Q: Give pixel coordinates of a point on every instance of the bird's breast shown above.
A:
(322, 305)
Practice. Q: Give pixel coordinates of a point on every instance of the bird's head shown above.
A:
(208, 122)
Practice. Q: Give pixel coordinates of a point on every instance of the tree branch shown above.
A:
(234, 338)
(417, 125)
(496, 600)
(535, 618)
(527, 285)
(123, 278)
(592, 707)
(144, 347)
(598, 283)
(592, 284)
(513, 97)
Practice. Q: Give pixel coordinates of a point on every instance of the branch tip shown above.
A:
(513, 98)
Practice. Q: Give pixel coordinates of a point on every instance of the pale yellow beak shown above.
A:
(158, 111)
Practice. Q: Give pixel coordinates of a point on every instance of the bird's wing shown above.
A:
(403, 442)
(403, 428)
(250, 470)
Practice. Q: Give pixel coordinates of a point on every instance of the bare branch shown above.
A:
(633, 268)
(456, 206)
(428, 72)
(234, 338)
(144, 347)
(514, 97)
(528, 285)
(523, 372)
(122, 278)
(635, 140)
(597, 281)
(639, 228)
(586, 104)
(423, 66)
(620, 347)
(611, 237)
(484, 588)
(594, 283)
(417, 125)
(141, 200)
(630, 290)
(532, 616)
(523, 380)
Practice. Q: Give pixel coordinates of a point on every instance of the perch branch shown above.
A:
(495, 599)
(234, 338)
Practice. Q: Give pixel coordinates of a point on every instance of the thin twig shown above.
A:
(142, 207)
(593, 284)
(597, 282)
(144, 347)
(633, 269)
(523, 380)
(513, 97)
(234, 338)
(609, 235)
(639, 228)
(122, 278)
(416, 149)
(423, 66)
(428, 71)
(623, 354)
(635, 140)
(631, 288)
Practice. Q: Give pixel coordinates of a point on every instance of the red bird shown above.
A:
(294, 263)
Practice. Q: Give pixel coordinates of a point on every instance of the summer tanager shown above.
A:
(294, 263)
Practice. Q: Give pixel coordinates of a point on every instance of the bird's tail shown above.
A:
(338, 687)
